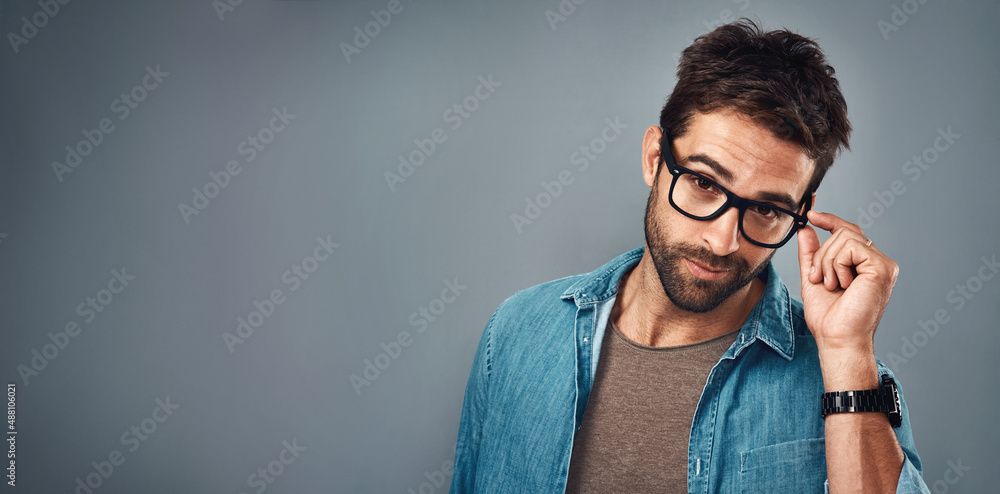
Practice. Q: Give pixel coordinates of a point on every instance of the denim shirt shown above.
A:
(757, 426)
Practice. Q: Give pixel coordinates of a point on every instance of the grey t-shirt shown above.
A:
(635, 431)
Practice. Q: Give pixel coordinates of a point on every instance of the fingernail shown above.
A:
(812, 269)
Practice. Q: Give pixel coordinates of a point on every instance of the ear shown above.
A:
(651, 153)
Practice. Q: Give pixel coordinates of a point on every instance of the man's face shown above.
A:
(702, 263)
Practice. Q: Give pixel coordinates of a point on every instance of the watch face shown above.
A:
(895, 419)
(888, 382)
(895, 415)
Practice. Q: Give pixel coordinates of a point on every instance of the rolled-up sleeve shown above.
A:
(911, 479)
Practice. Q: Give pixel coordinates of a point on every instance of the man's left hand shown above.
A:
(845, 284)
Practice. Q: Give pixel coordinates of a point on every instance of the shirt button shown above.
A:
(584, 340)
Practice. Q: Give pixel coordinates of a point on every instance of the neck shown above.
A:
(645, 314)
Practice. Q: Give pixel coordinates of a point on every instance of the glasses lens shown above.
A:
(701, 197)
(697, 196)
(766, 225)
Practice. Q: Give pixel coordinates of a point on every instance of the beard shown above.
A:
(685, 290)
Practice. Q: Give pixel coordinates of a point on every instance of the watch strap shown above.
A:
(883, 399)
(865, 400)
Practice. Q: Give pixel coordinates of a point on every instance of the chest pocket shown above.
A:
(793, 466)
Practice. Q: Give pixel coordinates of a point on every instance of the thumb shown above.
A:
(808, 245)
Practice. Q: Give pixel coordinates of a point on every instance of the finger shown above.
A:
(808, 244)
(822, 260)
(831, 222)
(843, 266)
(835, 245)
(840, 260)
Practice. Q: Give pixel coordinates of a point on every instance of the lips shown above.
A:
(703, 272)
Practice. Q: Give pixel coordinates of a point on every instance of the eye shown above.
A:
(703, 184)
(767, 212)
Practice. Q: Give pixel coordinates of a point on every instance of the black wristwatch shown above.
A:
(885, 398)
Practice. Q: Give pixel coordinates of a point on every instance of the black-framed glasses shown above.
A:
(699, 197)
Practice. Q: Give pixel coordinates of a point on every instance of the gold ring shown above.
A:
(869, 243)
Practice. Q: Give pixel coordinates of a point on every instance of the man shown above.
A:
(684, 366)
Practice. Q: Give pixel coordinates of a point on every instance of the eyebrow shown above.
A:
(783, 199)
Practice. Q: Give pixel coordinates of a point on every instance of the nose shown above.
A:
(723, 233)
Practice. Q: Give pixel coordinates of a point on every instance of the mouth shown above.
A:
(704, 272)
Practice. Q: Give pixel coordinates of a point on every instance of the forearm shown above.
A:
(862, 452)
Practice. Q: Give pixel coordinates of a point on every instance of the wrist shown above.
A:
(848, 369)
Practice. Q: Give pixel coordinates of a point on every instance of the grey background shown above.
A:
(324, 175)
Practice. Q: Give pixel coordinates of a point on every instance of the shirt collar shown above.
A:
(770, 321)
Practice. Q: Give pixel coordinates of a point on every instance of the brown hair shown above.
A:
(778, 78)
